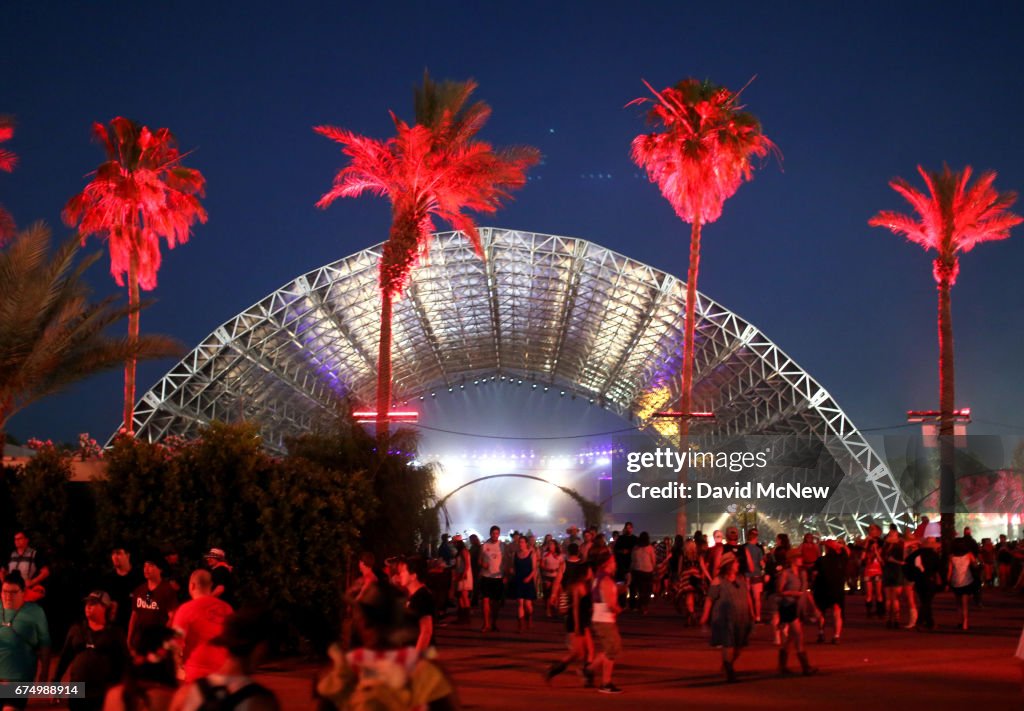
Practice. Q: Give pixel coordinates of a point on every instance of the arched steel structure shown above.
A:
(559, 311)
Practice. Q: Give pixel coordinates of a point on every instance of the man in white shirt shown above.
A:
(492, 578)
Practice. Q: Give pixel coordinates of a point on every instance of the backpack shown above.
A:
(217, 698)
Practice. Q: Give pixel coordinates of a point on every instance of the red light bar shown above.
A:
(963, 414)
(393, 416)
(689, 415)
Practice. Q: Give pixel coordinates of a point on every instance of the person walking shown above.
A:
(830, 587)
(578, 622)
(963, 578)
(492, 578)
(791, 588)
(462, 580)
(604, 622)
(552, 567)
(730, 611)
(925, 564)
(524, 586)
(641, 573)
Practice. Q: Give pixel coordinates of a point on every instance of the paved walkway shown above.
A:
(666, 665)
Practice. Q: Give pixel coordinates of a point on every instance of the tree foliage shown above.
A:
(7, 162)
(433, 168)
(289, 525)
(51, 335)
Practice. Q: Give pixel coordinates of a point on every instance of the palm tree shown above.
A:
(7, 162)
(699, 159)
(142, 193)
(50, 334)
(951, 218)
(434, 168)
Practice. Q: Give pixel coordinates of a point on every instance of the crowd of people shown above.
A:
(150, 637)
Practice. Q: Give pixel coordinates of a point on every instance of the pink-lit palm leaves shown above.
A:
(7, 162)
(951, 218)
(434, 168)
(699, 159)
(142, 193)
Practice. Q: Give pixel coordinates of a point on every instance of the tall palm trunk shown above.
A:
(686, 396)
(384, 364)
(947, 400)
(133, 336)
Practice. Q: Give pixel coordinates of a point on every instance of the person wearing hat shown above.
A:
(95, 653)
(221, 572)
(245, 639)
(154, 602)
(573, 536)
(730, 611)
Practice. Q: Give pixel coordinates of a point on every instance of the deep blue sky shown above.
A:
(852, 95)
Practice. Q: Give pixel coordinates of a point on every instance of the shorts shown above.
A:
(464, 585)
(607, 634)
(492, 588)
(787, 611)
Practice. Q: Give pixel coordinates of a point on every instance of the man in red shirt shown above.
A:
(200, 620)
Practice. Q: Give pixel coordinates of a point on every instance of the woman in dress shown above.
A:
(552, 568)
(892, 577)
(462, 579)
(690, 574)
(524, 581)
(963, 578)
(731, 613)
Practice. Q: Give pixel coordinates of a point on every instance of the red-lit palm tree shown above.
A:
(951, 218)
(7, 162)
(699, 158)
(141, 194)
(434, 168)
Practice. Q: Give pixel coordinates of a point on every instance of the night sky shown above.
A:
(853, 96)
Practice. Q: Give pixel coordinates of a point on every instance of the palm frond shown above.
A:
(51, 334)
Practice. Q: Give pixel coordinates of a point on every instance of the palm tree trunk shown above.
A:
(686, 395)
(947, 400)
(384, 365)
(133, 336)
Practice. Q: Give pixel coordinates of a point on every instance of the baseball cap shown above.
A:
(215, 554)
(98, 596)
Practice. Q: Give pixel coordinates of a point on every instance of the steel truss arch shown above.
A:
(558, 311)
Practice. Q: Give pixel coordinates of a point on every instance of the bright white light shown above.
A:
(603, 461)
(538, 505)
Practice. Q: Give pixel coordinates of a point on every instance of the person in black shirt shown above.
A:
(223, 580)
(411, 573)
(924, 565)
(95, 652)
(120, 583)
(623, 550)
(153, 602)
(830, 586)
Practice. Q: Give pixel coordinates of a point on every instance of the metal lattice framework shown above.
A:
(559, 311)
